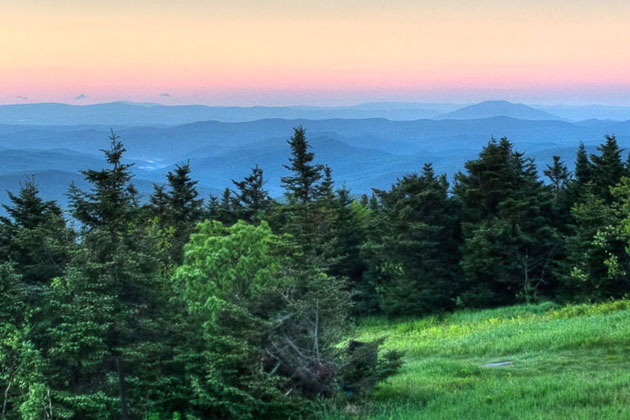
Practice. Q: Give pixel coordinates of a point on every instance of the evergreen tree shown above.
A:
(302, 186)
(108, 311)
(347, 237)
(414, 253)
(582, 178)
(177, 208)
(583, 167)
(558, 175)
(608, 168)
(213, 207)
(509, 240)
(326, 188)
(182, 197)
(302, 190)
(263, 332)
(37, 240)
(223, 209)
(252, 201)
(112, 199)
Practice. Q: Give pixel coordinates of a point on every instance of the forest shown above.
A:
(245, 306)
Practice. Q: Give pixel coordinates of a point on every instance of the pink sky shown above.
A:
(246, 52)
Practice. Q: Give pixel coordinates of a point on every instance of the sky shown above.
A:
(314, 52)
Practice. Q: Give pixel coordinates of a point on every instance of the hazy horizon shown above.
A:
(349, 104)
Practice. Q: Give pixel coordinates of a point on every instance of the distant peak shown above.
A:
(498, 108)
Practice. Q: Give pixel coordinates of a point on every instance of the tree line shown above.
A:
(242, 306)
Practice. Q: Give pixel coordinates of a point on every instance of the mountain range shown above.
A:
(145, 114)
(364, 153)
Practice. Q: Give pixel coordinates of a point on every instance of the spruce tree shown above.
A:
(414, 251)
(182, 196)
(37, 239)
(302, 189)
(312, 209)
(581, 182)
(302, 186)
(583, 167)
(608, 168)
(108, 312)
(252, 201)
(558, 175)
(509, 239)
(348, 237)
(177, 207)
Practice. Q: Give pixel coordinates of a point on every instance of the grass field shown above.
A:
(569, 362)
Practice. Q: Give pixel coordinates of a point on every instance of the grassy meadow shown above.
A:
(570, 362)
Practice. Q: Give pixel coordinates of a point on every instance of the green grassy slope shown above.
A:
(568, 362)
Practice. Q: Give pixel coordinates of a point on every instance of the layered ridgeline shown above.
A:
(363, 153)
(137, 114)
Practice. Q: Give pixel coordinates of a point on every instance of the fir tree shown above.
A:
(107, 312)
(182, 196)
(509, 239)
(414, 251)
(37, 239)
(583, 167)
(178, 208)
(608, 168)
(558, 175)
(112, 198)
(302, 190)
(252, 201)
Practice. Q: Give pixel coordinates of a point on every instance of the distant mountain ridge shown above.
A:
(364, 153)
(489, 109)
(124, 113)
(143, 114)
